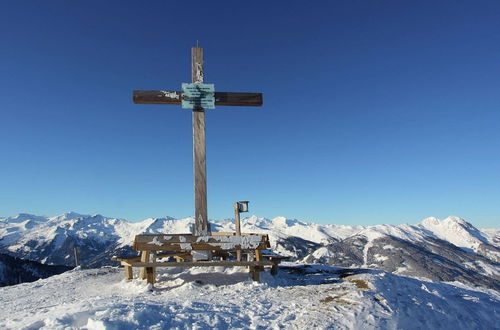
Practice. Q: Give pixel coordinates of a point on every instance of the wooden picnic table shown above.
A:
(182, 247)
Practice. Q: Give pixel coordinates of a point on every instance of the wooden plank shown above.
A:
(238, 99)
(157, 239)
(126, 258)
(201, 264)
(223, 233)
(175, 97)
(194, 246)
(176, 254)
(201, 226)
(157, 97)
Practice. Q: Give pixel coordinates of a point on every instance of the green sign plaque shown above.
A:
(197, 95)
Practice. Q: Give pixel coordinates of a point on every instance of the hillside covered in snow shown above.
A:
(447, 250)
(301, 297)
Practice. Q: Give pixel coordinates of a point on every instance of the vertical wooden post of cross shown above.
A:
(201, 227)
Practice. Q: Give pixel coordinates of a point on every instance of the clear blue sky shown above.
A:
(374, 111)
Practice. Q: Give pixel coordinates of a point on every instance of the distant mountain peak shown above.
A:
(22, 217)
(70, 216)
(450, 220)
(430, 221)
(255, 221)
(454, 218)
(284, 222)
(455, 230)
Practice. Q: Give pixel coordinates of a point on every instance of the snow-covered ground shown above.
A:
(300, 297)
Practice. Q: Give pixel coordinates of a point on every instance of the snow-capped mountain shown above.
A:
(447, 250)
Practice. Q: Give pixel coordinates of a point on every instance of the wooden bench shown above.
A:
(182, 247)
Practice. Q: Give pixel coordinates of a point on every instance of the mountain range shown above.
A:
(448, 250)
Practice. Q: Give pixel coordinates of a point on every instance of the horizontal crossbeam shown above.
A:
(175, 97)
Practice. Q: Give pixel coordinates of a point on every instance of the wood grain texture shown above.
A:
(201, 226)
(200, 173)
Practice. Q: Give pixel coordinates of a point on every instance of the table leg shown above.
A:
(144, 258)
(129, 273)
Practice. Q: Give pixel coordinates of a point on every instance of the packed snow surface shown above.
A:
(300, 297)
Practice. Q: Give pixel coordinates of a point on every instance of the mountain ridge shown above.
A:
(442, 249)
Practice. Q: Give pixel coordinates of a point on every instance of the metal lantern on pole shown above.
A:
(243, 206)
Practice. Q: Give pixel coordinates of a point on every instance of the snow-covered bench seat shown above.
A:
(182, 247)
(188, 242)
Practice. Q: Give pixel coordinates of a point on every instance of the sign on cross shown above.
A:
(199, 97)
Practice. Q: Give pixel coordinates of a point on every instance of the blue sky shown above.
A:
(374, 112)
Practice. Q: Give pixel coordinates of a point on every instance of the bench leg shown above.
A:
(144, 258)
(255, 270)
(274, 270)
(150, 275)
(129, 273)
(153, 259)
(255, 274)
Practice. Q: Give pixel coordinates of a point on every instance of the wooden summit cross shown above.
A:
(198, 96)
